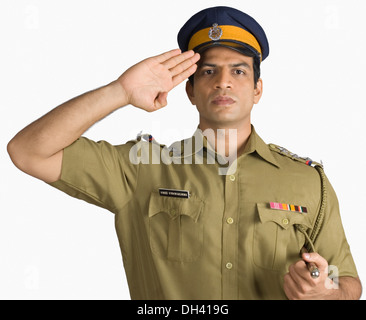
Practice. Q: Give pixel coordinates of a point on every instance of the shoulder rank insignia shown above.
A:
(294, 156)
(147, 137)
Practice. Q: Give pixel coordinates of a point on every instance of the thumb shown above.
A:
(317, 259)
(161, 100)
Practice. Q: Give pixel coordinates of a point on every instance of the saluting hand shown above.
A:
(146, 84)
(299, 285)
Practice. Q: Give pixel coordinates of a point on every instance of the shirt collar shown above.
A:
(188, 147)
(256, 144)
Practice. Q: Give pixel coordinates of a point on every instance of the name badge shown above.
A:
(174, 193)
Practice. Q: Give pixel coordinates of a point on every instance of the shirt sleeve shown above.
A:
(331, 242)
(99, 173)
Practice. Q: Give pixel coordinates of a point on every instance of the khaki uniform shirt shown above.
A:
(224, 241)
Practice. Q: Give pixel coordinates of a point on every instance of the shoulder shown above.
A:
(285, 156)
(145, 138)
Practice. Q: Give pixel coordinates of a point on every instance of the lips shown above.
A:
(223, 100)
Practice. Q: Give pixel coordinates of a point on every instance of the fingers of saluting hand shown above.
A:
(184, 74)
(161, 58)
(173, 58)
(180, 65)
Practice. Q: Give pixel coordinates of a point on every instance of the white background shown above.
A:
(55, 247)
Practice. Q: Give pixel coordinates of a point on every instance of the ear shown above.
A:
(258, 91)
(190, 92)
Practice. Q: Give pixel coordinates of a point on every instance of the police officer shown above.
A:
(223, 215)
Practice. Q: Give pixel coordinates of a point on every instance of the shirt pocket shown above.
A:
(176, 227)
(277, 243)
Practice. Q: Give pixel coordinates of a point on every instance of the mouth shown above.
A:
(223, 101)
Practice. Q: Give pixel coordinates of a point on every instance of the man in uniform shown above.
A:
(222, 215)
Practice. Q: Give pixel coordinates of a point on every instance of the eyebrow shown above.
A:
(232, 65)
(241, 64)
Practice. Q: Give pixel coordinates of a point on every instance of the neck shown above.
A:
(229, 138)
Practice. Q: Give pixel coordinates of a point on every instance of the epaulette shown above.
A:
(284, 152)
(151, 140)
(148, 138)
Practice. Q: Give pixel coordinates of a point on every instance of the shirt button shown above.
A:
(232, 177)
(229, 265)
(285, 221)
(229, 220)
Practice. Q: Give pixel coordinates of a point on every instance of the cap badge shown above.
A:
(215, 32)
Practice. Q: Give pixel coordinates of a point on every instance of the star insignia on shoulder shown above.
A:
(283, 151)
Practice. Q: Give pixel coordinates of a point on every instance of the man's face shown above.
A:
(224, 90)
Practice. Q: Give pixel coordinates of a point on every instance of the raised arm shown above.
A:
(38, 148)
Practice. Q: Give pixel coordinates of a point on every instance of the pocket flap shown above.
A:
(191, 206)
(283, 218)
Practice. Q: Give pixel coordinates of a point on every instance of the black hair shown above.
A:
(256, 64)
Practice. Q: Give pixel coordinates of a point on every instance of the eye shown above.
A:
(239, 71)
(208, 71)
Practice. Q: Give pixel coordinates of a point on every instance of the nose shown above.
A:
(223, 80)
